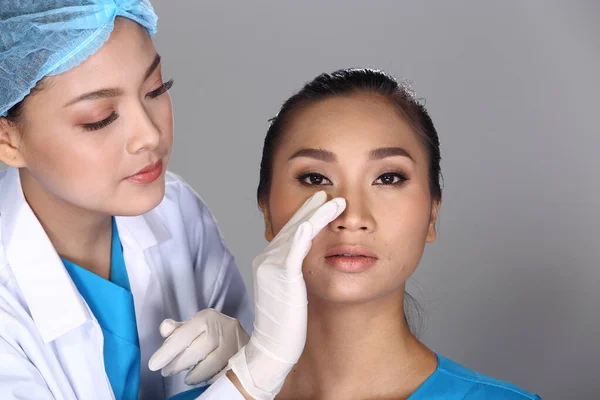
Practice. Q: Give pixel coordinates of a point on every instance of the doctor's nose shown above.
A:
(146, 135)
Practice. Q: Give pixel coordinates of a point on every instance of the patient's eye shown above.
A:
(313, 179)
(391, 178)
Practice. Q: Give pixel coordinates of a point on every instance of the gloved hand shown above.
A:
(204, 343)
(280, 301)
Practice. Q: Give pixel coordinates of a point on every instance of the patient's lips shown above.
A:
(350, 258)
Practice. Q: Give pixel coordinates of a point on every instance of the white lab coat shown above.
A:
(51, 346)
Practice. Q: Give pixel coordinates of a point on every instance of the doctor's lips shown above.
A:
(147, 174)
(348, 258)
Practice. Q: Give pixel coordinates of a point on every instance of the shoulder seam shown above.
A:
(478, 381)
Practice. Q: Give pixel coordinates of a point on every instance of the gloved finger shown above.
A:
(200, 348)
(167, 327)
(299, 249)
(306, 233)
(176, 343)
(309, 206)
(217, 376)
(210, 366)
(325, 215)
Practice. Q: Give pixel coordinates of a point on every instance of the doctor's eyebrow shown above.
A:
(95, 95)
(152, 66)
(113, 92)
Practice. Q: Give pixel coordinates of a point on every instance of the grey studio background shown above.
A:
(511, 287)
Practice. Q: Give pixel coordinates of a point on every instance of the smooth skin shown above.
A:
(82, 134)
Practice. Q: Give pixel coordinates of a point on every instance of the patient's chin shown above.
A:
(330, 286)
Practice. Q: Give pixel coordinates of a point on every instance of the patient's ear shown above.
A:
(10, 139)
(268, 226)
(431, 232)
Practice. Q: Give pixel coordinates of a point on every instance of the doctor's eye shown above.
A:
(94, 126)
(391, 178)
(313, 179)
(160, 90)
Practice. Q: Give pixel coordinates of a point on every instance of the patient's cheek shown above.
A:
(310, 268)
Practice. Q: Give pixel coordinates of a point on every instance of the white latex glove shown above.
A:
(280, 301)
(203, 343)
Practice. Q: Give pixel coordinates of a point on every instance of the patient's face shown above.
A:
(358, 148)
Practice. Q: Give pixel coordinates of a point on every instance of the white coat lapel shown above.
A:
(53, 300)
(138, 234)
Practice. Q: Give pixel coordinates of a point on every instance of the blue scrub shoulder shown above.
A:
(452, 381)
(190, 394)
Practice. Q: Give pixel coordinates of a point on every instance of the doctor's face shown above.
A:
(98, 137)
(359, 148)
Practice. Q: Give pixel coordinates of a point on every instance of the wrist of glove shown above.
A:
(261, 375)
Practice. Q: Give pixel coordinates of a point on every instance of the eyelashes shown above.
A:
(313, 179)
(94, 126)
(161, 90)
(391, 178)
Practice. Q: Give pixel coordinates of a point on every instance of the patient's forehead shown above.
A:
(357, 123)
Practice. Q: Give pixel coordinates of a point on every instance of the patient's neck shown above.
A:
(361, 350)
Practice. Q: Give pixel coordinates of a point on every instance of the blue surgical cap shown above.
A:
(48, 37)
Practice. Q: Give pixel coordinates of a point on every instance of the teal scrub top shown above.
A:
(190, 394)
(451, 381)
(111, 303)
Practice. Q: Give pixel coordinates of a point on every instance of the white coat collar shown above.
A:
(53, 300)
(138, 234)
(143, 231)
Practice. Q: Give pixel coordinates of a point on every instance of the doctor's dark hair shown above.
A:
(347, 82)
(14, 114)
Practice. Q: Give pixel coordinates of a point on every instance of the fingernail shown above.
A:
(155, 361)
(320, 194)
(340, 202)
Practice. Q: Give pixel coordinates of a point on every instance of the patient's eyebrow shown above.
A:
(384, 152)
(317, 154)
